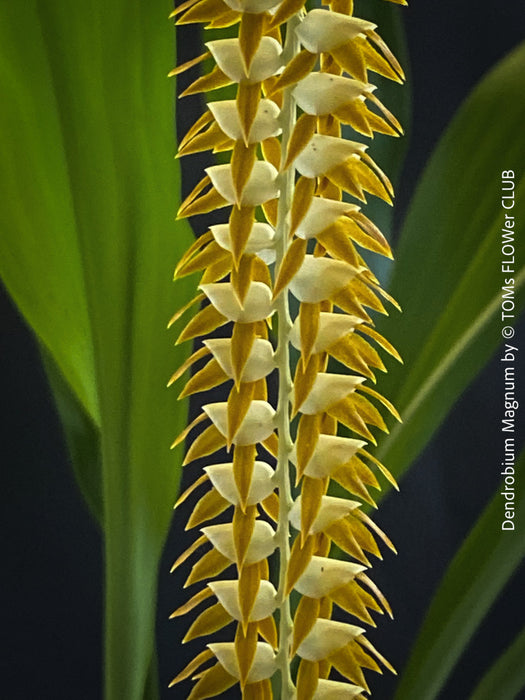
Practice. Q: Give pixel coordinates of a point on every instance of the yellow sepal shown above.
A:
(212, 81)
(209, 506)
(248, 97)
(243, 524)
(241, 224)
(204, 322)
(209, 621)
(208, 442)
(211, 564)
(249, 581)
(245, 648)
(312, 492)
(305, 616)
(344, 662)
(307, 679)
(197, 355)
(243, 464)
(195, 600)
(303, 131)
(299, 559)
(251, 30)
(243, 158)
(209, 376)
(194, 664)
(214, 681)
(290, 265)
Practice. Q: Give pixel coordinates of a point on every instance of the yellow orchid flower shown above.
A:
(291, 231)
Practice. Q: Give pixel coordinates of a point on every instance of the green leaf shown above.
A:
(87, 250)
(506, 677)
(448, 275)
(477, 574)
(82, 438)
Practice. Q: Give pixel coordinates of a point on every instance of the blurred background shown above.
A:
(51, 588)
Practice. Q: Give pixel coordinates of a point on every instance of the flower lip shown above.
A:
(262, 542)
(323, 93)
(264, 664)
(257, 304)
(266, 62)
(332, 327)
(265, 125)
(260, 241)
(324, 575)
(227, 592)
(328, 389)
(261, 486)
(332, 509)
(258, 424)
(331, 452)
(327, 637)
(320, 278)
(336, 690)
(321, 214)
(260, 188)
(322, 153)
(324, 30)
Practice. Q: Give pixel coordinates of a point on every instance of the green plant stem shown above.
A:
(287, 179)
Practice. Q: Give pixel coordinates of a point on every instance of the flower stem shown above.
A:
(285, 389)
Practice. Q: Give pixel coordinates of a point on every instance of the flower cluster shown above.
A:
(290, 234)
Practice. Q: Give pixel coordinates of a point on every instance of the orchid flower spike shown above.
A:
(286, 285)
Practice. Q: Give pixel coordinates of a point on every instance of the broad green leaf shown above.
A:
(82, 438)
(479, 571)
(448, 275)
(88, 249)
(506, 677)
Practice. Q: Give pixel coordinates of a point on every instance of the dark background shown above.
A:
(51, 586)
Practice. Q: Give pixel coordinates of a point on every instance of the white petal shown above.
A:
(328, 389)
(257, 425)
(325, 152)
(260, 360)
(323, 93)
(331, 452)
(323, 30)
(263, 666)
(321, 214)
(260, 188)
(335, 690)
(260, 241)
(332, 327)
(266, 62)
(265, 125)
(327, 637)
(324, 575)
(262, 543)
(332, 509)
(262, 485)
(320, 278)
(257, 304)
(252, 6)
(227, 592)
